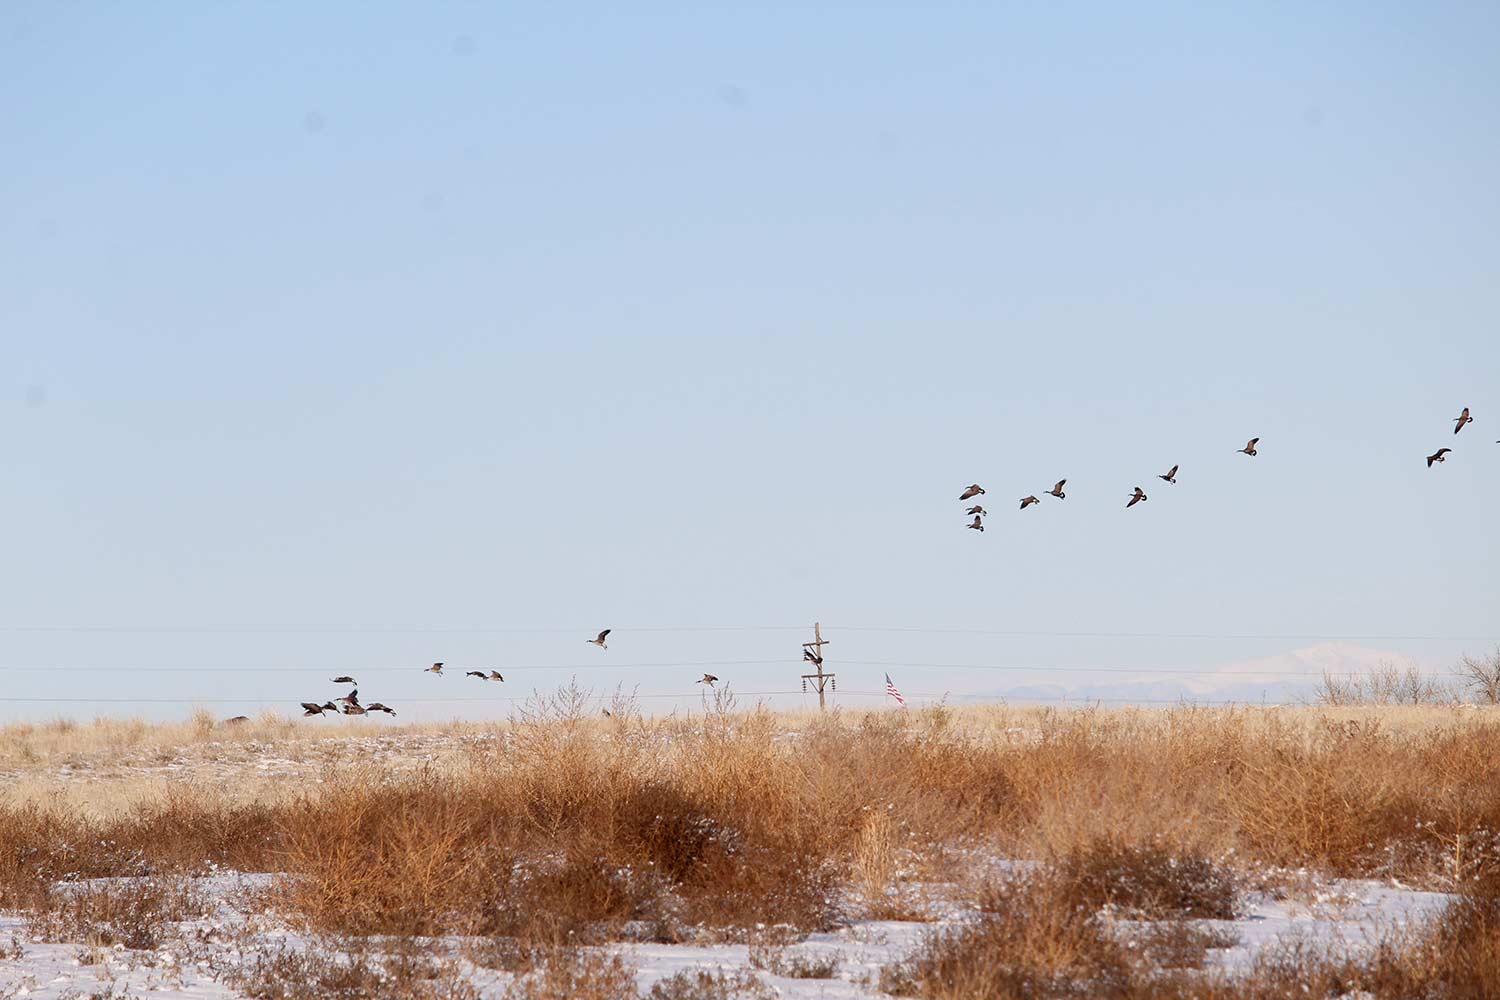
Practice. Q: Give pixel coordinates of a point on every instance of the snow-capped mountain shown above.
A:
(1286, 677)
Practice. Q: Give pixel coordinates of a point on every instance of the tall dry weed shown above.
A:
(572, 826)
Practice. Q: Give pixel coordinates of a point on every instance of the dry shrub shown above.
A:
(575, 828)
(725, 865)
(537, 858)
(703, 984)
(1457, 957)
(1176, 944)
(34, 846)
(329, 970)
(189, 827)
(135, 912)
(1461, 955)
(1041, 934)
(182, 832)
(575, 974)
(383, 857)
(575, 901)
(1148, 880)
(1351, 799)
(768, 952)
(875, 866)
(202, 723)
(934, 781)
(1029, 940)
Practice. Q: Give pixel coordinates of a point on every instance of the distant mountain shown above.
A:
(1287, 677)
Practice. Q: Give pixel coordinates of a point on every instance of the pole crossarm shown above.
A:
(814, 651)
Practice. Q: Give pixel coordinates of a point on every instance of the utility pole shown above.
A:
(813, 652)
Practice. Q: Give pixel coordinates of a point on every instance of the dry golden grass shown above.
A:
(571, 974)
(1032, 940)
(1147, 881)
(137, 913)
(34, 745)
(702, 984)
(559, 829)
(341, 970)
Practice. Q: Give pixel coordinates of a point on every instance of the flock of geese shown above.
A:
(349, 704)
(979, 513)
(1458, 424)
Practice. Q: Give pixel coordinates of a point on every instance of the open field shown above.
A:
(985, 852)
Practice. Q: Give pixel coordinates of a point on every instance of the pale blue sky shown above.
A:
(466, 315)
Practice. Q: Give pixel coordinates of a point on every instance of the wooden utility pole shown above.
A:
(814, 651)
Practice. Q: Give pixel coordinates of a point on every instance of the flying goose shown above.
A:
(976, 509)
(475, 673)
(354, 710)
(972, 491)
(237, 720)
(344, 680)
(977, 524)
(599, 639)
(1057, 490)
(352, 698)
(494, 676)
(1461, 419)
(812, 657)
(311, 708)
(1171, 475)
(1437, 456)
(1136, 498)
(1028, 501)
(376, 706)
(708, 679)
(1249, 449)
(436, 668)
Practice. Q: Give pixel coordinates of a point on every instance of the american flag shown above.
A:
(890, 689)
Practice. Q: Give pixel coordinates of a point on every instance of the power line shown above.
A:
(251, 669)
(1062, 700)
(382, 629)
(337, 668)
(1243, 636)
(1199, 672)
(913, 629)
(403, 701)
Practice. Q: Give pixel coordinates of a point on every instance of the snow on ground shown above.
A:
(65, 971)
(1348, 913)
(238, 760)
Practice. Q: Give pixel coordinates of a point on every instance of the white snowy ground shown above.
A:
(1349, 913)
